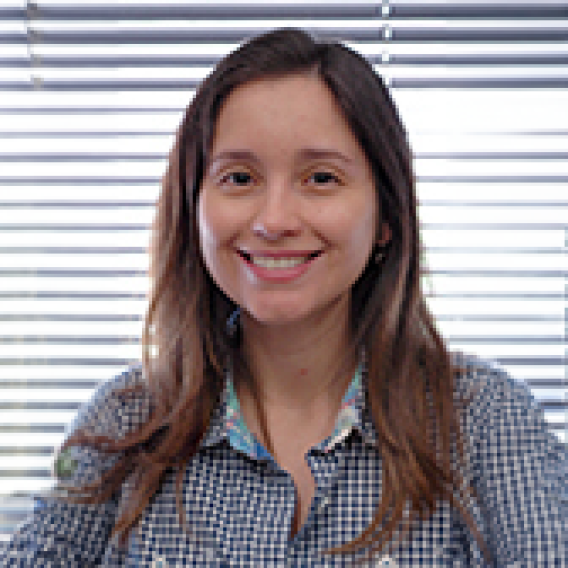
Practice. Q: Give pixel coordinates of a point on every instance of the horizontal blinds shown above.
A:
(90, 95)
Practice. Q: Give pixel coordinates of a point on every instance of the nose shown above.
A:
(278, 213)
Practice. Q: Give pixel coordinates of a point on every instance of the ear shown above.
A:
(384, 234)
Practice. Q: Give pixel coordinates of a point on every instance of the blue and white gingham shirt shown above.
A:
(240, 505)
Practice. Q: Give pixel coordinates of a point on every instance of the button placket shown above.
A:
(324, 467)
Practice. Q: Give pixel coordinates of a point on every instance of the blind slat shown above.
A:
(329, 9)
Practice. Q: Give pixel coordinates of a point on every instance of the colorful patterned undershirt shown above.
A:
(243, 440)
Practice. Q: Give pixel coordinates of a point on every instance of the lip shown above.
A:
(279, 253)
(279, 275)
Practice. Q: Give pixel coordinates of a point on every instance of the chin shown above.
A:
(275, 319)
(276, 316)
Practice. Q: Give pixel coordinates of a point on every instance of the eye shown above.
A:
(323, 178)
(238, 178)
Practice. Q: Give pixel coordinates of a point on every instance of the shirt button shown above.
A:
(159, 563)
(324, 503)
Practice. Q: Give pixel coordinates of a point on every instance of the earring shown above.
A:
(379, 255)
(233, 325)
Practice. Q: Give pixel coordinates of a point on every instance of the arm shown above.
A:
(521, 477)
(60, 534)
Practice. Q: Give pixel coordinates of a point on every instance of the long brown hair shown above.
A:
(410, 378)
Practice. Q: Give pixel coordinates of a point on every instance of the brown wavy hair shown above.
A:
(410, 377)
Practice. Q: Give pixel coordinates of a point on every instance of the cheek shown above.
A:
(211, 223)
(209, 237)
(366, 230)
(360, 243)
(356, 229)
(218, 229)
(220, 218)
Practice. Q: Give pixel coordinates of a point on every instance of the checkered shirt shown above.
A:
(240, 504)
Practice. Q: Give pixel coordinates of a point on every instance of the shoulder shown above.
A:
(516, 464)
(489, 388)
(502, 416)
(501, 413)
(116, 407)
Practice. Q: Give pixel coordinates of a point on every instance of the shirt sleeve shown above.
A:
(521, 476)
(60, 534)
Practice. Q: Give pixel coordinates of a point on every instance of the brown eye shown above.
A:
(238, 178)
(323, 178)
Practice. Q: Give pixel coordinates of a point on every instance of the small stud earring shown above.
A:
(379, 256)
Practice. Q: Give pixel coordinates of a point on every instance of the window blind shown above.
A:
(90, 96)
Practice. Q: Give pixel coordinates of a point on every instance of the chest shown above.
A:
(241, 513)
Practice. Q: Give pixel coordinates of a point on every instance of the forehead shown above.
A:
(296, 108)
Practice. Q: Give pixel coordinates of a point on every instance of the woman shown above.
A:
(299, 407)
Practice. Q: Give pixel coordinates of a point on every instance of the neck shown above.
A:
(300, 366)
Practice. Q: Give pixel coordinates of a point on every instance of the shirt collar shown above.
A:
(227, 423)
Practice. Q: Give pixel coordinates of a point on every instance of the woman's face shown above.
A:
(287, 210)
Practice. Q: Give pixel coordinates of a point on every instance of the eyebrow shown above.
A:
(317, 153)
(304, 153)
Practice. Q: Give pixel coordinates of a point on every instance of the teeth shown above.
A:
(278, 262)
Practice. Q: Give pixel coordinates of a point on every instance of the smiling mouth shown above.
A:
(281, 262)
